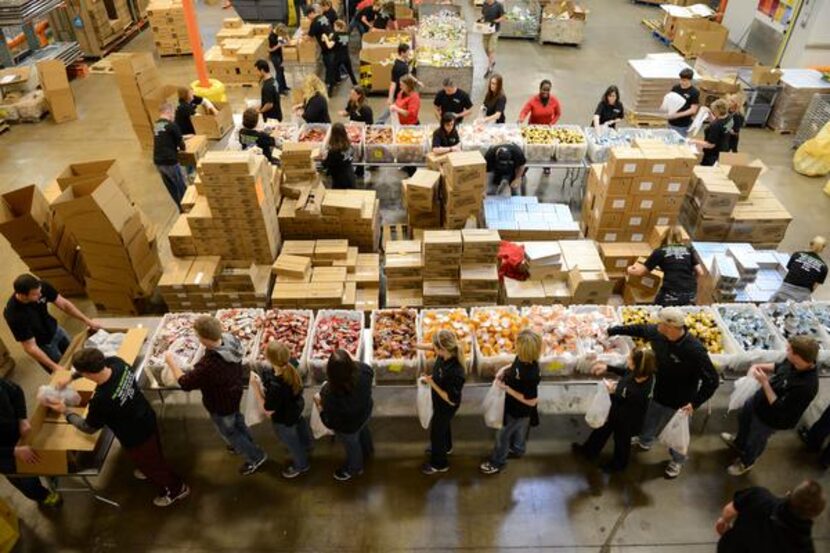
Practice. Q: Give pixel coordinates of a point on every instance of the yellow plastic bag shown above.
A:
(813, 157)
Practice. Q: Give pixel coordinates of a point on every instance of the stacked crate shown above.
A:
(442, 250)
(169, 28)
(479, 275)
(404, 271)
(420, 193)
(238, 46)
(465, 180)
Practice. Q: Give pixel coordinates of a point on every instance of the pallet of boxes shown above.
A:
(404, 271)
(238, 46)
(98, 26)
(464, 177)
(227, 242)
(640, 187)
(325, 274)
(169, 29)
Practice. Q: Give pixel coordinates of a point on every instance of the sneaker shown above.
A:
(52, 501)
(738, 468)
(673, 470)
(168, 499)
(489, 468)
(429, 470)
(728, 439)
(230, 449)
(636, 441)
(138, 475)
(292, 472)
(249, 468)
(513, 454)
(343, 475)
(579, 449)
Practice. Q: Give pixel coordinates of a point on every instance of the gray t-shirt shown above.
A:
(491, 12)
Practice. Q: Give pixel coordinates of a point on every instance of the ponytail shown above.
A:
(279, 356)
(448, 341)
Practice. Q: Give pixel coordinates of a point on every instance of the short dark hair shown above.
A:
(807, 500)
(310, 10)
(341, 371)
(687, 74)
(448, 82)
(89, 360)
(250, 118)
(403, 48)
(545, 82)
(25, 283)
(262, 65)
(447, 118)
(805, 347)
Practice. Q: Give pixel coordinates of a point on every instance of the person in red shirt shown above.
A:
(544, 109)
(408, 103)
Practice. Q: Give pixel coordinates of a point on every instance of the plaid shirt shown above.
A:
(219, 381)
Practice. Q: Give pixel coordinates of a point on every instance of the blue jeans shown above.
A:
(357, 445)
(683, 131)
(173, 179)
(55, 349)
(235, 432)
(31, 487)
(297, 439)
(510, 437)
(752, 434)
(657, 417)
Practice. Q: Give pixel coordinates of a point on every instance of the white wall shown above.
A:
(809, 43)
(738, 18)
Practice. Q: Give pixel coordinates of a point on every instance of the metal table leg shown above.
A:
(88, 488)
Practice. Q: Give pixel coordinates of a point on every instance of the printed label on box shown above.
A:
(610, 237)
(621, 263)
(635, 221)
(673, 187)
(662, 222)
(646, 204)
(630, 168)
(646, 186)
(659, 168)
(198, 278)
(618, 204)
(638, 237)
(648, 282)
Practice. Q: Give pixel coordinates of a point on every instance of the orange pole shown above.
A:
(195, 42)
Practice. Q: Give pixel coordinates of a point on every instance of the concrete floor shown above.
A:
(547, 501)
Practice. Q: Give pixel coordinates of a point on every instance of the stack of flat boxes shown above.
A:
(42, 243)
(442, 251)
(420, 192)
(479, 275)
(119, 251)
(737, 272)
(169, 28)
(298, 170)
(523, 218)
(238, 46)
(403, 268)
(707, 211)
(465, 180)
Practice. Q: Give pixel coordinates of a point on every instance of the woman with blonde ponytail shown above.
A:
(446, 381)
(282, 399)
(681, 269)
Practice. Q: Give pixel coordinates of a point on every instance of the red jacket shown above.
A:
(412, 105)
(363, 4)
(539, 114)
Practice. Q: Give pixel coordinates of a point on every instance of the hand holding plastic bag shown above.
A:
(49, 394)
(676, 433)
(493, 405)
(745, 388)
(423, 403)
(318, 429)
(600, 406)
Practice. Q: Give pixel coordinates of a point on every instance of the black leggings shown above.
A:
(440, 437)
(622, 442)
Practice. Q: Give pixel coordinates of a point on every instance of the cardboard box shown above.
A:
(194, 148)
(376, 68)
(62, 105)
(523, 292)
(695, 36)
(742, 170)
(590, 287)
(617, 257)
(91, 172)
(420, 189)
(292, 266)
(97, 211)
(625, 162)
(213, 126)
(649, 283)
(716, 197)
(765, 76)
(24, 216)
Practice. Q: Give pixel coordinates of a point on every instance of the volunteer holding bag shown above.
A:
(446, 380)
(520, 381)
(686, 378)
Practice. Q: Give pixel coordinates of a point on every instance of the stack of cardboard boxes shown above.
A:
(321, 274)
(56, 88)
(520, 218)
(141, 91)
(42, 243)
(98, 25)
(169, 28)
(465, 180)
(353, 215)
(206, 283)
(403, 268)
(479, 275)
(238, 46)
(420, 192)
(298, 170)
(442, 250)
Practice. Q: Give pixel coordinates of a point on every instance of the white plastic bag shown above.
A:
(745, 388)
(676, 433)
(423, 403)
(600, 406)
(48, 394)
(253, 411)
(493, 405)
(318, 429)
(672, 102)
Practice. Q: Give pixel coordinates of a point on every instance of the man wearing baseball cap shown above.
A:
(686, 378)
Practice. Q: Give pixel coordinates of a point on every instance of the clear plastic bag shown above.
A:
(318, 429)
(423, 404)
(493, 405)
(745, 388)
(600, 406)
(48, 394)
(676, 433)
(251, 408)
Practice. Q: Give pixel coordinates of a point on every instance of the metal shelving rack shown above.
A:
(759, 99)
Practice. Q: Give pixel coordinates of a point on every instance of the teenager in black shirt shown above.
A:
(385, 18)
(756, 521)
(716, 136)
(506, 162)
(339, 158)
(609, 110)
(281, 397)
(250, 136)
(341, 50)
(324, 34)
(446, 380)
(39, 334)
(806, 270)
(328, 12)
(367, 16)
(495, 101)
(680, 267)
(629, 401)
(356, 108)
(119, 404)
(451, 99)
(277, 39)
(784, 396)
(520, 381)
(269, 104)
(315, 106)
(167, 142)
(400, 68)
(187, 109)
(445, 138)
(682, 120)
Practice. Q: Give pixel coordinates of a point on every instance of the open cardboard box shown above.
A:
(213, 126)
(56, 442)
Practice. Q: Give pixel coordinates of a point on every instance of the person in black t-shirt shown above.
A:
(495, 101)
(324, 34)
(341, 50)
(328, 12)
(315, 106)
(400, 68)
(609, 110)
(680, 267)
(778, 405)
(445, 138)
(269, 103)
(716, 136)
(38, 332)
(452, 99)
(682, 120)
(738, 120)
(281, 397)
(806, 270)
(629, 401)
(366, 17)
(249, 136)
(356, 108)
(187, 109)
(167, 142)
(756, 521)
(385, 18)
(446, 380)
(119, 404)
(492, 12)
(277, 39)
(339, 158)
(520, 381)
(506, 163)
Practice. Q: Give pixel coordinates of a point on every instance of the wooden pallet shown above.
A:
(240, 85)
(101, 67)
(648, 121)
(394, 233)
(4, 126)
(126, 35)
(656, 29)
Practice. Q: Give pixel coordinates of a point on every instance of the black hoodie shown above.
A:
(685, 373)
(766, 524)
(346, 413)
